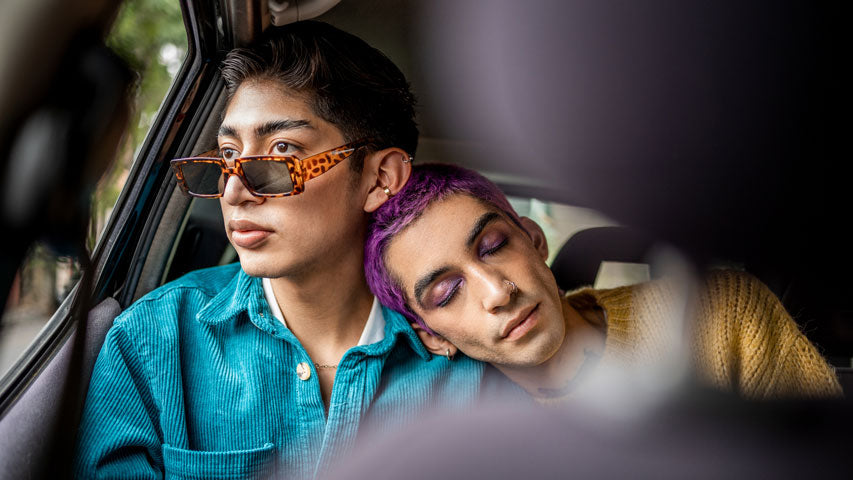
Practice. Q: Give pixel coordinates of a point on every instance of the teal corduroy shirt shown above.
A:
(198, 380)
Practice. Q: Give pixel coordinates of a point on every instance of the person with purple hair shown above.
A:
(450, 253)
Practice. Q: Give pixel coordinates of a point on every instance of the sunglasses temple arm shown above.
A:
(318, 165)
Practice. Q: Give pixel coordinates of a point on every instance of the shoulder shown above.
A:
(207, 281)
(185, 295)
(725, 278)
(766, 350)
(737, 292)
(738, 314)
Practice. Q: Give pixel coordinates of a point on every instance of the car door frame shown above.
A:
(33, 393)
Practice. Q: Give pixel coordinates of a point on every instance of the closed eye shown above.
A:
(490, 248)
(449, 293)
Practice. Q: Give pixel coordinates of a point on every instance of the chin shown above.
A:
(265, 267)
(531, 356)
(540, 351)
(254, 270)
(258, 266)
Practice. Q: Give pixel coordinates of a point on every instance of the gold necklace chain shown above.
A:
(325, 366)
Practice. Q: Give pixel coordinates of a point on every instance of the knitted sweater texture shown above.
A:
(739, 336)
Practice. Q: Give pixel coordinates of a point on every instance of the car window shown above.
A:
(558, 221)
(150, 36)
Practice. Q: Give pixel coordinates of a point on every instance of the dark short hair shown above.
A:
(349, 83)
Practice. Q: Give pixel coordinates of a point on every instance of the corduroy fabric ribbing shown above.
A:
(740, 337)
(198, 380)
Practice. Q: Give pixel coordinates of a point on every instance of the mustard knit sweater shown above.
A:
(742, 340)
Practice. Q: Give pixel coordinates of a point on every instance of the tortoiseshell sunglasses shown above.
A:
(263, 175)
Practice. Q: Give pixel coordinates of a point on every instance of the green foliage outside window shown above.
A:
(150, 36)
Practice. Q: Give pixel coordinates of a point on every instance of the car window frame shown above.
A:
(117, 257)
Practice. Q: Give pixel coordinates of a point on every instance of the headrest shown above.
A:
(580, 258)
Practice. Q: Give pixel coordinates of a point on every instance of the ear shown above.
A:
(436, 345)
(537, 236)
(389, 168)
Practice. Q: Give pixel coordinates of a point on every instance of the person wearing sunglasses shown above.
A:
(271, 366)
(482, 287)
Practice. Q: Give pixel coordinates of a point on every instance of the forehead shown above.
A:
(437, 237)
(455, 213)
(259, 101)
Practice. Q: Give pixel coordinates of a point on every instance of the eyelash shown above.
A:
(288, 147)
(222, 153)
(450, 295)
(490, 251)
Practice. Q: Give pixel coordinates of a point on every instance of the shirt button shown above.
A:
(303, 371)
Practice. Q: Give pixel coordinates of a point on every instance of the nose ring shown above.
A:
(513, 287)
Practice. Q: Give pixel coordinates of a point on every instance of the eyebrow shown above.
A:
(267, 128)
(479, 225)
(226, 131)
(475, 231)
(425, 281)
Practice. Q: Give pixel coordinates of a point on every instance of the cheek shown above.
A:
(309, 209)
(340, 179)
(462, 328)
(537, 270)
(333, 197)
(547, 278)
(226, 210)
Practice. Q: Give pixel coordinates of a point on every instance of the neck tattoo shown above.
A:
(590, 360)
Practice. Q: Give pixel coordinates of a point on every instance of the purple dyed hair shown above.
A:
(429, 182)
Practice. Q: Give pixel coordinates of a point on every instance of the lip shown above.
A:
(247, 234)
(520, 324)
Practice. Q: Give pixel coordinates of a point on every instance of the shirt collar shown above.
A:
(380, 332)
(397, 325)
(374, 329)
(242, 294)
(245, 294)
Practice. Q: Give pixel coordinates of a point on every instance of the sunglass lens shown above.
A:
(267, 176)
(202, 178)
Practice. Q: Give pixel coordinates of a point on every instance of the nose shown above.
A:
(494, 290)
(235, 192)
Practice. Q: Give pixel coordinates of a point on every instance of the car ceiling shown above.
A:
(713, 126)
